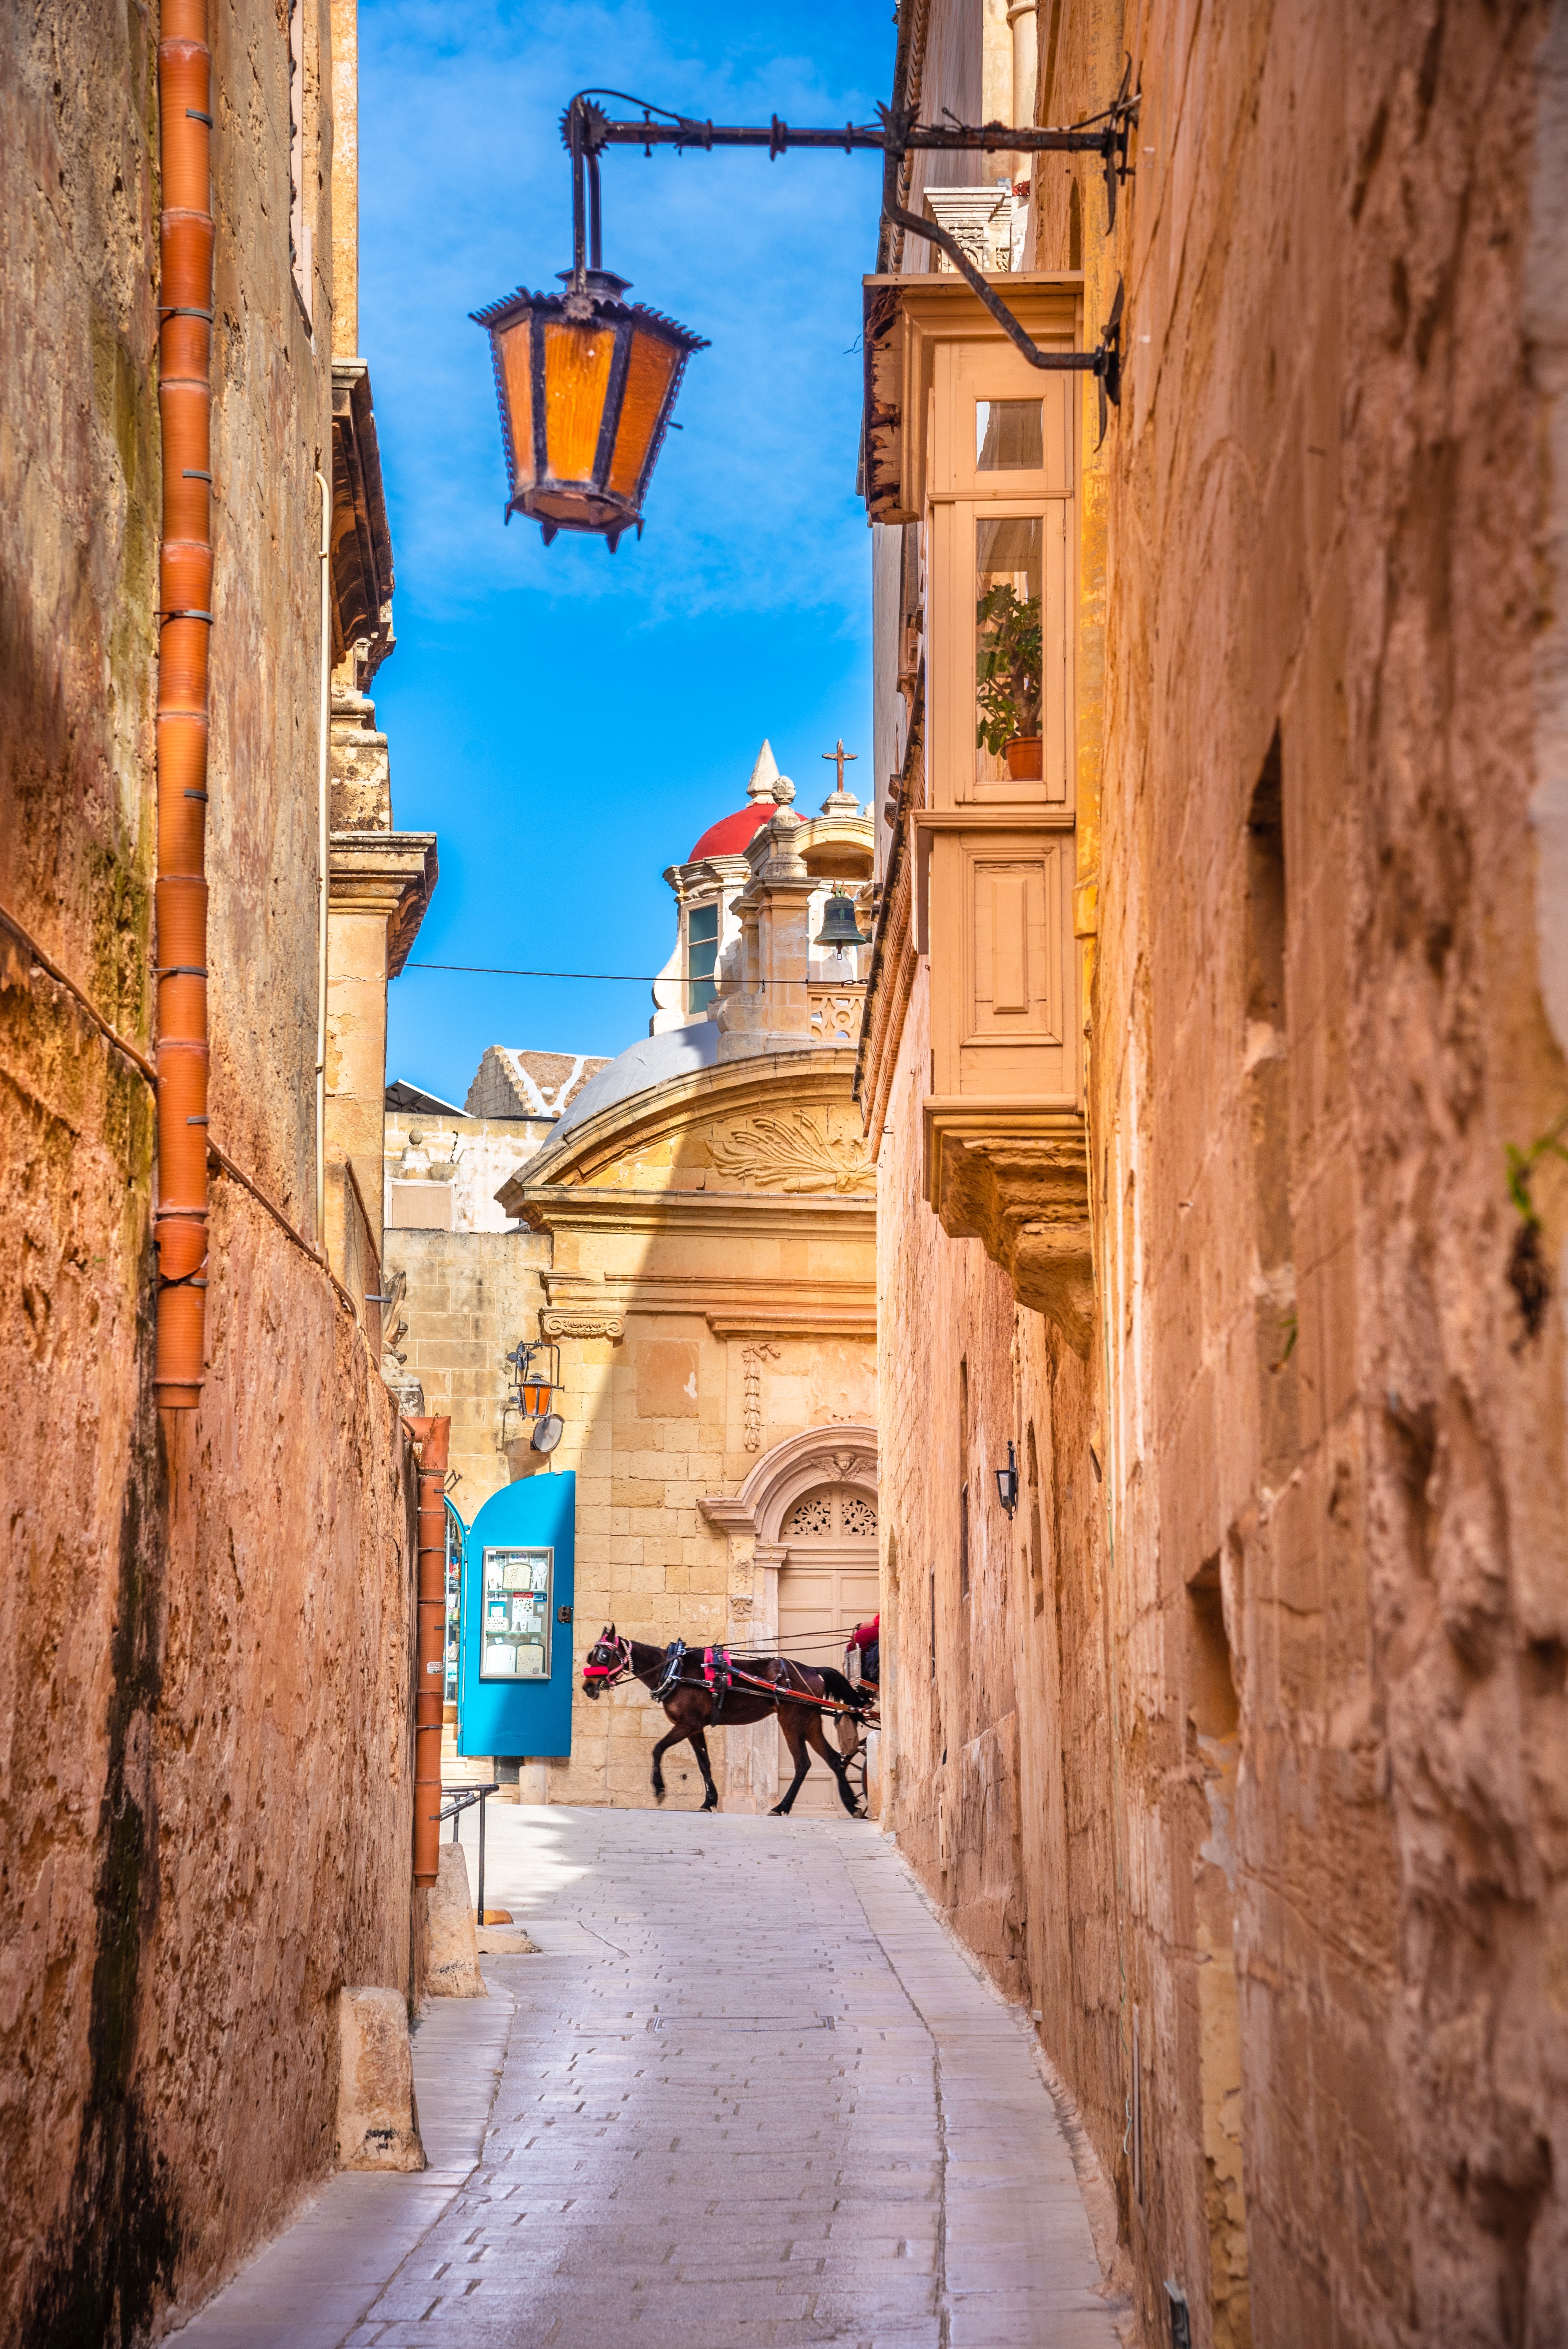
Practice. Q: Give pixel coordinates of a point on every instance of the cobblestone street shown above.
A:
(750, 2093)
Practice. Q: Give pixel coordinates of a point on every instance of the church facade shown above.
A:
(695, 1236)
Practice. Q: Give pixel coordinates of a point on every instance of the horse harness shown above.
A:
(717, 1673)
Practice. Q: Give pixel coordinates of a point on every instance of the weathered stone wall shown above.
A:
(470, 1297)
(480, 1153)
(1293, 1710)
(205, 1627)
(1335, 1453)
(997, 1747)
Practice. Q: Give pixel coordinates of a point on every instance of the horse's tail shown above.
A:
(844, 1692)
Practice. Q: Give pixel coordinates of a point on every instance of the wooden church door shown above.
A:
(827, 1582)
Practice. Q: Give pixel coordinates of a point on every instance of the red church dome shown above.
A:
(731, 834)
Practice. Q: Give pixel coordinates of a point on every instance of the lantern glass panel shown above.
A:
(649, 374)
(1007, 636)
(514, 351)
(576, 378)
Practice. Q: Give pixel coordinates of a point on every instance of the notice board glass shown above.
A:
(519, 1590)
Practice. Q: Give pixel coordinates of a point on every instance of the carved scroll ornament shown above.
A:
(554, 1323)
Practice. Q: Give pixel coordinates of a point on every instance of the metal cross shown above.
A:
(839, 755)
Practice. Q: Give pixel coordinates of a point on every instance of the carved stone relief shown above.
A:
(754, 1357)
(606, 1323)
(796, 1154)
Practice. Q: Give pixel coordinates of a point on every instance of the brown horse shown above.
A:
(691, 1704)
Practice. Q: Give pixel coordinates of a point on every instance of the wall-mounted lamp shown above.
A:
(586, 381)
(537, 1369)
(1007, 1483)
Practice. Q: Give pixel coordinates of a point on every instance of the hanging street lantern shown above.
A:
(585, 383)
(840, 926)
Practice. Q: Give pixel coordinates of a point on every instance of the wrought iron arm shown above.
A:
(586, 130)
(1104, 361)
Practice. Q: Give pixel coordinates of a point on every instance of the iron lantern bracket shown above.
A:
(586, 130)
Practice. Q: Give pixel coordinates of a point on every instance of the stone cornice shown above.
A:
(552, 1207)
(797, 1321)
(389, 872)
(361, 562)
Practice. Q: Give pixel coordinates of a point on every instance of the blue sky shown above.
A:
(569, 720)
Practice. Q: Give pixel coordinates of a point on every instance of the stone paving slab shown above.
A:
(750, 2096)
(311, 2285)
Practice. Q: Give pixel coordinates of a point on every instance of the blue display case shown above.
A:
(515, 1670)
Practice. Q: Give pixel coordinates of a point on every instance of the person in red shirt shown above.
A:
(865, 1637)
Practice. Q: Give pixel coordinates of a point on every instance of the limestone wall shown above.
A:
(470, 1297)
(205, 1649)
(481, 1154)
(1291, 1709)
(996, 1750)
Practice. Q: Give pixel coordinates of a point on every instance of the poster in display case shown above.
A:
(518, 1591)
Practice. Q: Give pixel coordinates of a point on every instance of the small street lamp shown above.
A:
(1007, 1483)
(586, 382)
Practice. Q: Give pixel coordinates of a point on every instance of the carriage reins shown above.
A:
(718, 1673)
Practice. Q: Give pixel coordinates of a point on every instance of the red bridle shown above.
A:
(608, 1675)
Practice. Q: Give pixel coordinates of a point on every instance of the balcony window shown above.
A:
(1009, 435)
(1007, 641)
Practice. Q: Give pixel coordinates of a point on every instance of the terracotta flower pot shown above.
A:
(1024, 758)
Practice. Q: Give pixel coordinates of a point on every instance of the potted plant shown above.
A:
(1008, 684)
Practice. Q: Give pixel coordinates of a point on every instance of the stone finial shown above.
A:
(764, 774)
(779, 841)
(783, 791)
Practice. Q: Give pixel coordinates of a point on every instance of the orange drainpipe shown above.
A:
(434, 1438)
(185, 634)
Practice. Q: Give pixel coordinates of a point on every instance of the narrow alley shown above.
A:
(752, 2093)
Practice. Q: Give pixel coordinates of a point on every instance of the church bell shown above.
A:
(840, 927)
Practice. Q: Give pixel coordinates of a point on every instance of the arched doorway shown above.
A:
(829, 1581)
(803, 1532)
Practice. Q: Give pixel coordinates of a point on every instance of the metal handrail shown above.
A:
(463, 1799)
